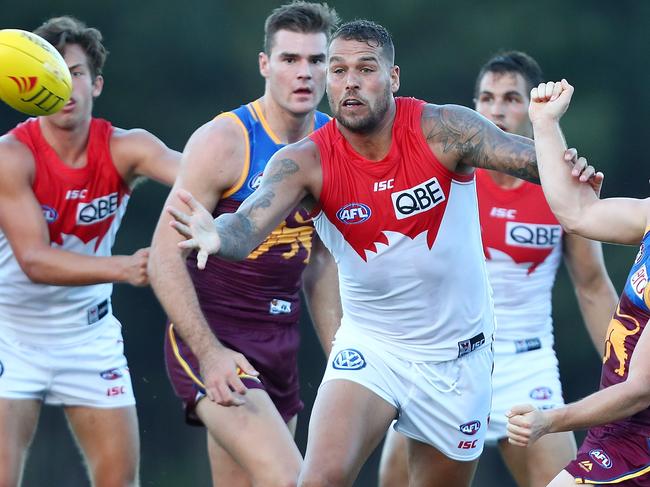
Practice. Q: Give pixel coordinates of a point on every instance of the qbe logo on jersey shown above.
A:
(533, 236)
(417, 199)
(97, 210)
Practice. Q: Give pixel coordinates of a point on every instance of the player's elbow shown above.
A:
(570, 223)
(31, 263)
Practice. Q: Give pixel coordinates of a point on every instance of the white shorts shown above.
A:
(93, 373)
(443, 404)
(531, 377)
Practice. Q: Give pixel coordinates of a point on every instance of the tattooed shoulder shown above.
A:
(454, 128)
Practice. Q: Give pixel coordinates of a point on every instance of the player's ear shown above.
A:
(394, 78)
(263, 60)
(98, 85)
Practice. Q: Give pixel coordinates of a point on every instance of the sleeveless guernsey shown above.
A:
(83, 208)
(405, 234)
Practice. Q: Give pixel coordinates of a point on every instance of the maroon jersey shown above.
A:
(619, 452)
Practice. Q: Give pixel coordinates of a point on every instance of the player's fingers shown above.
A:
(243, 365)
(201, 259)
(236, 384)
(597, 182)
(587, 174)
(178, 215)
(571, 155)
(187, 198)
(567, 87)
(181, 228)
(548, 91)
(517, 441)
(520, 409)
(189, 244)
(534, 94)
(579, 166)
(557, 90)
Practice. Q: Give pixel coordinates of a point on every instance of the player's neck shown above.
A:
(288, 127)
(69, 144)
(505, 181)
(375, 145)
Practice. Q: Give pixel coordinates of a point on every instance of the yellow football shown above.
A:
(34, 78)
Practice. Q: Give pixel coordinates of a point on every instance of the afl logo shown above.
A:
(541, 393)
(255, 181)
(601, 458)
(471, 428)
(110, 374)
(354, 213)
(349, 359)
(49, 213)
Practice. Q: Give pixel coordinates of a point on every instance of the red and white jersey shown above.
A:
(83, 208)
(405, 234)
(522, 241)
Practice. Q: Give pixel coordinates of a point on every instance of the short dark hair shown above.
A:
(512, 62)
(302, 17)
(371, 33)
(61, 31)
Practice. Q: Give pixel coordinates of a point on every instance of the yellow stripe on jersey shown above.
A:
(247, 157)
(622, 478)
(186, 367)
(265, 124)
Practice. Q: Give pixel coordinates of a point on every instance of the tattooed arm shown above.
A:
(460, 137)
(293, 174)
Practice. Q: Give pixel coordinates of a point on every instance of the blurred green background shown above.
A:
(174, 65)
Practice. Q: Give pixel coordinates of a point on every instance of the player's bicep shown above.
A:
(615, 220)
(462, 137)
(21, 215)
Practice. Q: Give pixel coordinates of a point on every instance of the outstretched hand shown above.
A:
(549, 100)
(197, 227)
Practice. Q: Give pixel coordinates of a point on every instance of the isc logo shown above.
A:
(601, 458)
(115, 391)
(76, 194)
(417, 199)
(467, 445)
(97, 210)
(354, 213)
(532, 236)
(471, 428)
(508, 213)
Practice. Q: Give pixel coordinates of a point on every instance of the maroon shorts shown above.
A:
(612, 455)
(273, 351)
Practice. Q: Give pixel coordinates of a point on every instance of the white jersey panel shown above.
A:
(522, 299)
(425, 304)
(43, 314)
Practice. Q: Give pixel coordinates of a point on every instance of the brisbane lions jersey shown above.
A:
(83, 208)
(522, 241)
(405, 234)
(264, 289)
(625, 329)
